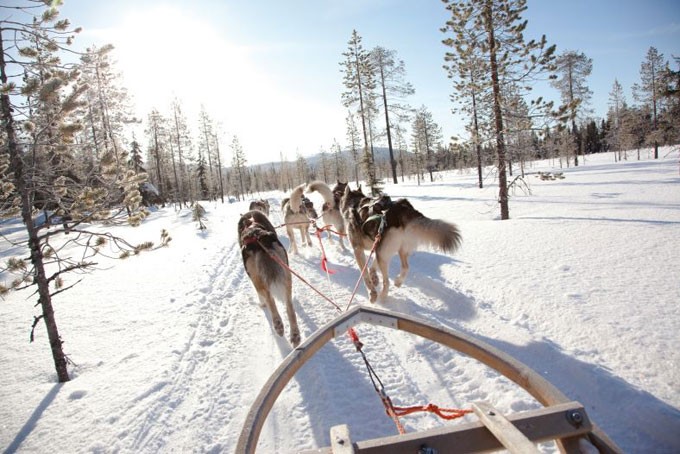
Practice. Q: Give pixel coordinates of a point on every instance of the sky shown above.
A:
(580, 284)
(268, 71)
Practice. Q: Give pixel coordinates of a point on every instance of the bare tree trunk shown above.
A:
(219, 169)
(478, 145)
(45, 299)
(498, 116)
(393, 163)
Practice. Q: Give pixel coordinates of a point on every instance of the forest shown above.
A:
(68, 159)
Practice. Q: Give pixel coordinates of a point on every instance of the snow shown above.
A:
(171, 347)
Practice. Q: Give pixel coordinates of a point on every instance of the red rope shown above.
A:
(324, 260)
(280, 262)
(329, 228)
(363, 271)
(392, 411)
(444, 413)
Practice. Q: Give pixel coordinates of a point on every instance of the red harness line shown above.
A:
(394, 412)
(280, 262)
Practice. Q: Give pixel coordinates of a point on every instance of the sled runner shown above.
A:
(560, 419)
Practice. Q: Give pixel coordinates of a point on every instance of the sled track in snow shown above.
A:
(200, 386)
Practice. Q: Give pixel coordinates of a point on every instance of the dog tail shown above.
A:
(434, 234)
(296, 198)
(323, 189)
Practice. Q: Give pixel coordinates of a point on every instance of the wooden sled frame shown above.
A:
(538, 387)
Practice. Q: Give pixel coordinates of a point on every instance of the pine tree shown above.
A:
(671, 97)
(573, 68)
(136, 157)
(496, 26)
(108, 109)
(218, 157)
(180, 138)
(40, 118)
(467, 68)
(617, 103)
(354, 139)
(358, 81)
(202, 176)
(650, 90)
(393, 88)
(426, 135)
(238, 164)
(157, 132)
(338, 161)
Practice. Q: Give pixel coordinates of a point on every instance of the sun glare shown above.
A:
(165, 53)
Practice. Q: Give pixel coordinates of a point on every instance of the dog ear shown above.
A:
(346, 192)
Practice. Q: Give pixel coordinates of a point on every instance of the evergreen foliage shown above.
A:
(58, 176)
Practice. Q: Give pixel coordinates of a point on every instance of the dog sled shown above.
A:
(564, 421)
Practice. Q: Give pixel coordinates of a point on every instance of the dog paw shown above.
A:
(295, 338)
(398, 281)
(278, 327)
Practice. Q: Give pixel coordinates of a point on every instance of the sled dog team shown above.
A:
(401, 227)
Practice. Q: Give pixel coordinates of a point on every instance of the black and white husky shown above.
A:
(297, 213)
(330, 210)
(403, 229)
(264, 258)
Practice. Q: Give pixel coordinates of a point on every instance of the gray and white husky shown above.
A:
(264, 258)
(403, 229)
(297, 213)
(330, 210)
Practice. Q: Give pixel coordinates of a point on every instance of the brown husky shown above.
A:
(402, 228)
(297, 213)
(330, 210)
(264, 258)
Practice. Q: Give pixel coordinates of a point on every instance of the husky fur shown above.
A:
(259, 245)
(405, 229)
(330, 210)
(297, 213)
(260, 204)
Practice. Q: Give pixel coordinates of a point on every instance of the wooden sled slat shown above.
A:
(510, 436)
(541, 389)
(540, 425)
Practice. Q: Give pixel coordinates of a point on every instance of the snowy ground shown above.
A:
(171, 347)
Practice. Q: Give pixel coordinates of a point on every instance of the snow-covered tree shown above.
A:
(40, 103)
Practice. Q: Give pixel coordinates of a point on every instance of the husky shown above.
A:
(330, 210)
(264, 258)
(260, 204)
(297, 213)
(402, 230)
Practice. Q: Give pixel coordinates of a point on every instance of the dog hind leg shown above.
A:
(383, 265)
(291, 236)
(271, 305)
(403, 257)
(368, 281)
(305, 233)
(292, 318)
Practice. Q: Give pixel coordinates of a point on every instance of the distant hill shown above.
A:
(381, 155)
